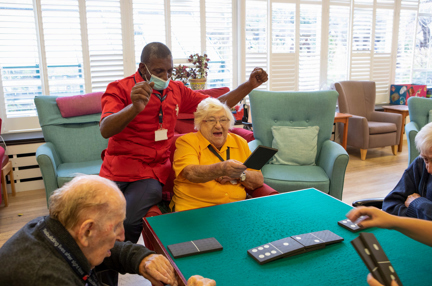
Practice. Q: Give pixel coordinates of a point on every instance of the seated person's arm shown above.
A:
(205, 173)
(394, 202)
(254, 180)
(418, 207)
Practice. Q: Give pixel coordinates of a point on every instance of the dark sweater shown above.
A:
(28, 258)
(415, 179)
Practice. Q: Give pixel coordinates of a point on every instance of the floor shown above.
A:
(374, 177)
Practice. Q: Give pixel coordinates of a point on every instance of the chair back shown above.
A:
(419, 108)
(296, 109)
(356, 97)
(77, 139)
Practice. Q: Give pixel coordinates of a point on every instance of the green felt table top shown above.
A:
(243, 225)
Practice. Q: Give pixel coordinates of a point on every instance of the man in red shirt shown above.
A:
(139, 114)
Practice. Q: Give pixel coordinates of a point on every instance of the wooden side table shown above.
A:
(402, 110)
(343, 118)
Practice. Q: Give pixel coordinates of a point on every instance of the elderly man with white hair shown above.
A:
(84, 229)
(412, 196)
(208, 164)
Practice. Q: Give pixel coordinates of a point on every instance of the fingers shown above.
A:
(233, 168)
(260, 75)
(375, 217)
(157, 268)
(372, 281)
(198, 280)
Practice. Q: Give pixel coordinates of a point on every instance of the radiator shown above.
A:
(26, 171)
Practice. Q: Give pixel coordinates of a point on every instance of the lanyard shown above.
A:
(217, 154)
(160, 110)
(70, 258)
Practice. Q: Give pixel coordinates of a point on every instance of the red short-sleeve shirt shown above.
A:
(133, 154)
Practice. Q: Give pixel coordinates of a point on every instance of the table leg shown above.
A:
(345, 135)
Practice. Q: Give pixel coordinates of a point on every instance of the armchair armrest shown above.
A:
(371, 202)
(334, 159)
(359, 136)
(263, 191)
(411, 130)
(386, 117)
(254, 144)
(48, 161)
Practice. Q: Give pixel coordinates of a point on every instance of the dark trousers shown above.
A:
(140, 197)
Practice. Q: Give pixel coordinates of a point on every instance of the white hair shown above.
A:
(211, 105)
(423, 139)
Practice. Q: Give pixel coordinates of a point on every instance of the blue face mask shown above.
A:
(159, 84)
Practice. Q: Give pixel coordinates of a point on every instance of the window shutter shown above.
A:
(310, 47)
(219, 42)
(19, 60)
(149, 24)
(337, 67)
(406, 40)
(63, 47)
(105, 42)
(283, 65)
(185, 28)
(256, 37)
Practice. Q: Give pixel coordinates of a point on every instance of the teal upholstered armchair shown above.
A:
(300, 109)
(73, 144)
(419, 108)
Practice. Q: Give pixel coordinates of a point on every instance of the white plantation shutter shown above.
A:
(219, 42)
(422, 65)
(20, 72)
(338, 44)
(406, 40)
(63, 46)
(382, 53)
(185, 28)
(361, 56)
(309, 47)
(283, 65)
(256, 37)
(149, 24)
(105, 42)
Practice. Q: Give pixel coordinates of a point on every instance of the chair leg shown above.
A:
(12, 181)
(4, 190)
(394, 149)
(363, 154)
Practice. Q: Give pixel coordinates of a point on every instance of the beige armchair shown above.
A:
(367, 128)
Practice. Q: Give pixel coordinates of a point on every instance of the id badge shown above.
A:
(161, 134)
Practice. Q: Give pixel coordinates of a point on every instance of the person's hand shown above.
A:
(157, 269)
(257, 77)
(197, 280)
(375, 217)
(411, 198)
(140, 95)
(233, 168)
(225, 179)
(373, 282)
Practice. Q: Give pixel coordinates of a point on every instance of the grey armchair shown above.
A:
(367, 128)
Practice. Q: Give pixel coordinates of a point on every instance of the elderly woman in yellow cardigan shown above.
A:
(208, 164)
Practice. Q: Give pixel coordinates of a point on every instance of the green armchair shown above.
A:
(73, 144)
(300, 109)
(419, 108)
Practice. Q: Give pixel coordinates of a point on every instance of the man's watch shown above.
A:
(243, 177)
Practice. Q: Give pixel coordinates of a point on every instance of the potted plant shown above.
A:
(181, 73)
(198, 74)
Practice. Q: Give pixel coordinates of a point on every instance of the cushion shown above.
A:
(381, 127)
(297, 145)
(215, 92)
(246, 134)
(78, 105)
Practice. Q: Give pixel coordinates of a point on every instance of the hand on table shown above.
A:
(198, 280)
(376, 217)
(411, 198)
(140, 95)
(157, 269)
(373, 282)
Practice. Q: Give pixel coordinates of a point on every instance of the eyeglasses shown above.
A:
(213, 121)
